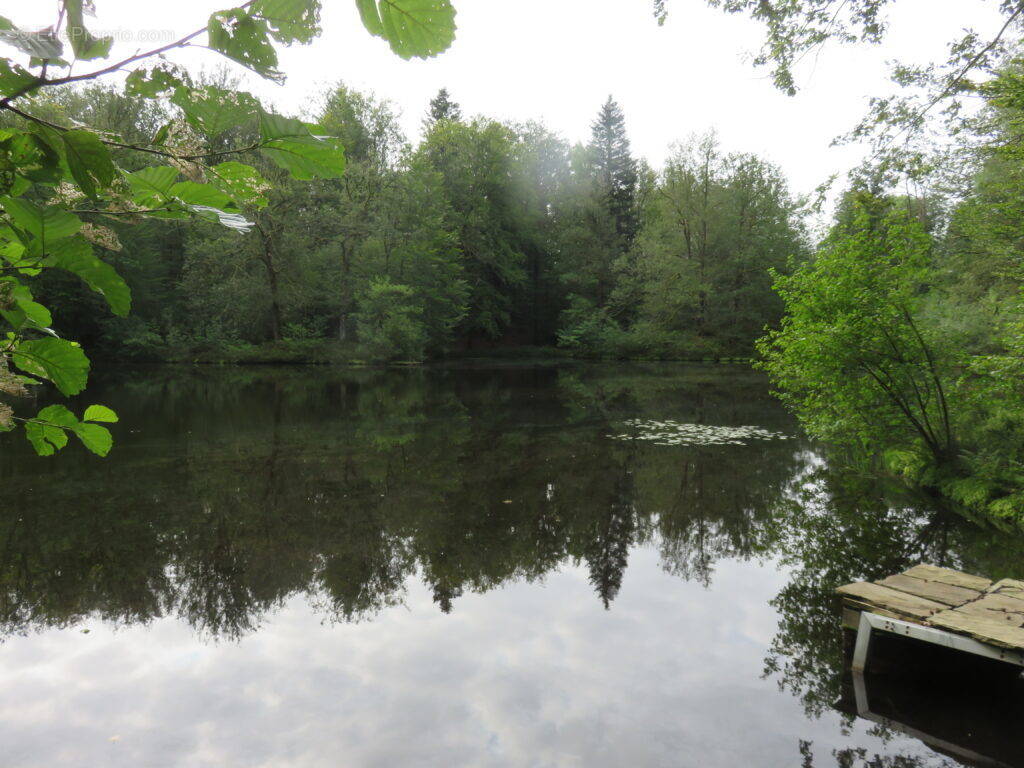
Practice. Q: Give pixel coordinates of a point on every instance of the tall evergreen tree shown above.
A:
(442, 108)
(616, 170)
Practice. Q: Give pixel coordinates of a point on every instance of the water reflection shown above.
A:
(970, 713)
(837, 528)
(235, 492)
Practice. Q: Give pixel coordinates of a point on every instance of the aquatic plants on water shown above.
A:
(679, 433)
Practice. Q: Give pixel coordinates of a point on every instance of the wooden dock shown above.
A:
(942, 606)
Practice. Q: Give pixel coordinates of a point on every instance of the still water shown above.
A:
(455, 566)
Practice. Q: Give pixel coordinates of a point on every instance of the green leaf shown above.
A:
(42, 45)
(100, 413)
(45, 224)
(215, 110)
(25, 311)
(83, 43)
(14, 78)
(308, 157)
(88, 160)
(33, 155)
(58, 415)
(57, 360)
(371, 17)
(193, 193)
(290, 21)
(151, 187)
(76, 255)
(94, 437)
(46, 430)
(244, 38)
(37, 435)
(13, 253)
(161, 134)
(290, 145)
(280, 127)
(242, 182)
(152, 82)
(420, 28)
(35, 61)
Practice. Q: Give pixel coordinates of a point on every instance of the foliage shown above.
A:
(474, 162)
(61, 180)
(483, 235)
(714, 225)
(601, 213)
(442, 108)
(586, 328)
(851, 355)
(793, 28)
(389, 325)
(503, 232)
(695, 282)
(615, 169)
(909, 345)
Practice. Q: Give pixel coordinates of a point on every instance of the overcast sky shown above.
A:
(557, 61)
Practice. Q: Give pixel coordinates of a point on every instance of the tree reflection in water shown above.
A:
(835, 529)
(243, 488)
(239, 489)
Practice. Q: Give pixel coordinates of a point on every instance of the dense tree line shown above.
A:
(481, 235)
(903, 339)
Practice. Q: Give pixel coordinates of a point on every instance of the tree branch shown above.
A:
(42, 82)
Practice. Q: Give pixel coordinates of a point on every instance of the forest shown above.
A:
(483, 235)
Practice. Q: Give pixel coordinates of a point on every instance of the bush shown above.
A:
(586, 329)
(131, 338)
(389, 324)
(302, 331)
(591, 332)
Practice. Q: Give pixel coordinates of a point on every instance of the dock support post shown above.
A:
(860, 650)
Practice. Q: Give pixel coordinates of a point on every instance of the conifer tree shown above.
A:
(616, 170)
(442, 108)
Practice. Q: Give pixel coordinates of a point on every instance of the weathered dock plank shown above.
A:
(949, 576)
(940, 592)
(997, 607)
(1010, 587)
(891, 601)
(990, 631)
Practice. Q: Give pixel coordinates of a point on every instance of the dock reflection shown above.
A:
(967, 709)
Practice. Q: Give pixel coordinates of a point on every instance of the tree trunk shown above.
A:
(272, 282)
(344, 331)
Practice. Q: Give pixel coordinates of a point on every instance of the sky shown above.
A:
(558, 60)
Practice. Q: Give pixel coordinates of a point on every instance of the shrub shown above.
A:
(389, 323)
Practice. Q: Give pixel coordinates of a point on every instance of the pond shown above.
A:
(510, 565)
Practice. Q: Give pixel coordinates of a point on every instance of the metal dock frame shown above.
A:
(870, 622)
